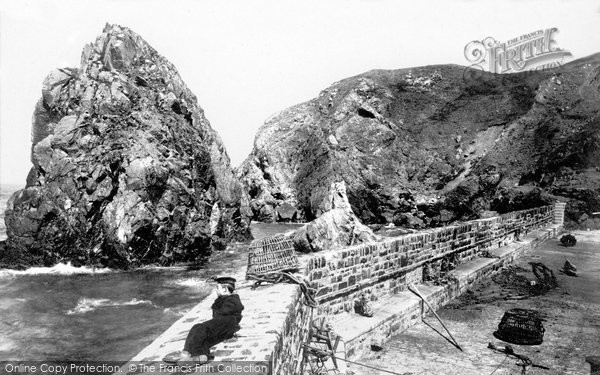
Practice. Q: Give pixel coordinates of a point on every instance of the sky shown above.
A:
(248, 59)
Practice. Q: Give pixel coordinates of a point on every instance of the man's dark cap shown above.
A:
(226, 280)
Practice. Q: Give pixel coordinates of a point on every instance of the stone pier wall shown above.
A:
(405, 309)
(288, 351)
(273, 330)
(385, 268)
(276, 321)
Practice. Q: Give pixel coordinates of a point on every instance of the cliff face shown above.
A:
(127, 169)
(424, 146)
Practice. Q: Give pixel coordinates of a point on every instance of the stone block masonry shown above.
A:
(274, 328)
(395, 313)
(559, 213)
(385, 268)
(276, 322)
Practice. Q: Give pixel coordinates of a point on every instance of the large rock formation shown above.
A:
(424, 146)
(337, 227)
(126, 168)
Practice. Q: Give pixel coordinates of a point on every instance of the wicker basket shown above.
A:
(271, 254)
(521, 327)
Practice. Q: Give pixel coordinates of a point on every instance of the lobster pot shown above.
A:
(521, 327)
(271, 254)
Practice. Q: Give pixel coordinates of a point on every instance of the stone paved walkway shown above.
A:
(265, 311)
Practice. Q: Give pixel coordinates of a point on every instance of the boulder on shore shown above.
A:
(126, 168)
(337, 227)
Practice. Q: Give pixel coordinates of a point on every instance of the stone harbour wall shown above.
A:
(273, 329)
(388, 267)
(276, 322)
(288, 351)
(402, 310)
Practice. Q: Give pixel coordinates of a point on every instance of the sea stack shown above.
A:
(126, 168)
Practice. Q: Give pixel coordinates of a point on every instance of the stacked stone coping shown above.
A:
(387, 267)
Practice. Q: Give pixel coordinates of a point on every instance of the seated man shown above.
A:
(227, 314)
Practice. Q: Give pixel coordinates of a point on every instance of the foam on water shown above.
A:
(85, 304)
(78, 310)
(58, 269)
(191, 282)
(169, 310)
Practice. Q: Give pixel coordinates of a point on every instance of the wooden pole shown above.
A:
(414, 289)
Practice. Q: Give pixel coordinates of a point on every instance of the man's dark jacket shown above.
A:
(227, 314)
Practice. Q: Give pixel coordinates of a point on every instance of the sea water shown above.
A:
(78, 313)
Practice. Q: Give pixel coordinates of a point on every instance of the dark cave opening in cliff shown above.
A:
(365, 113)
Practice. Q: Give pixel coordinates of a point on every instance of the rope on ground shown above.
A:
(500, 365)
(397, 373)
(322, 359)
(287, 277)
(371, 367)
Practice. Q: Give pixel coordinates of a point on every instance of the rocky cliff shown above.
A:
(425, 146)
(126, 168)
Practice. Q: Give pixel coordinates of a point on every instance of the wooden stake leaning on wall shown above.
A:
(321, 345)
(414, 289)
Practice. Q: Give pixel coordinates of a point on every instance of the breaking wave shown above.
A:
(190, 282)
(173, 311)
(85, 304)
(58, 269)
